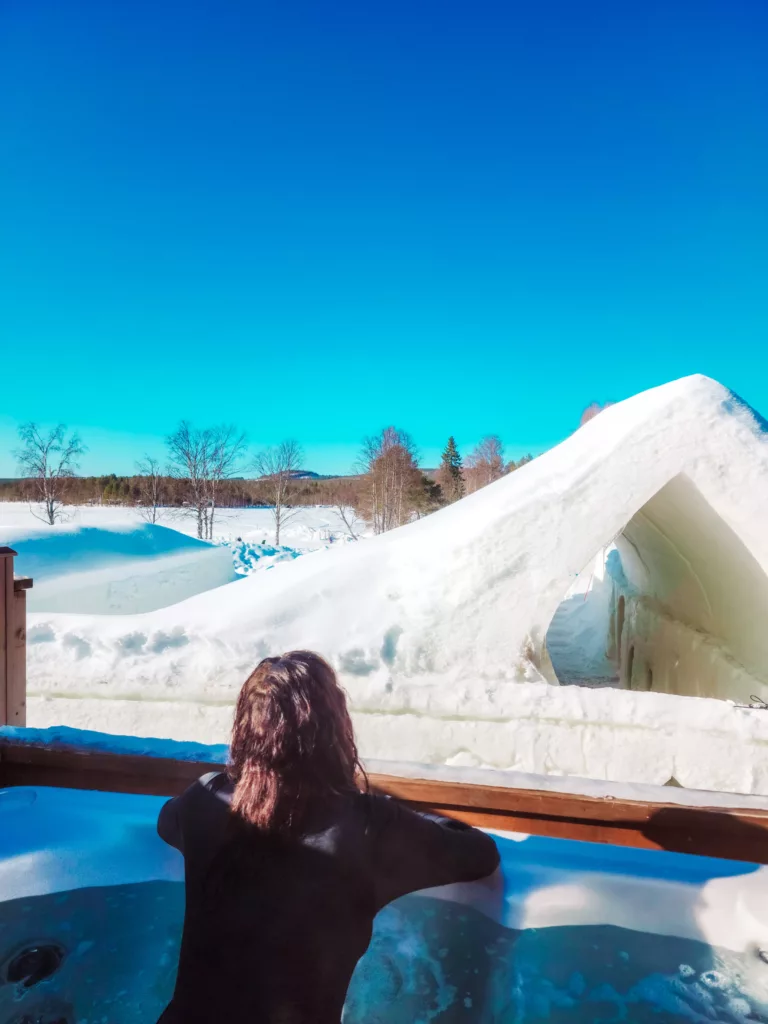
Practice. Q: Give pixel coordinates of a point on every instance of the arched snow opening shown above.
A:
(675, 604)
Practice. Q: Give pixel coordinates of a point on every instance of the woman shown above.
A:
(287, 862)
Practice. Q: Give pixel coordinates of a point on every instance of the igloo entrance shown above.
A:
(676, 604)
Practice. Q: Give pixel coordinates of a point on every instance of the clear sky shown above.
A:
(316, 219)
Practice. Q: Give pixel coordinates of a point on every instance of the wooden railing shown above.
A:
(737, 833)
(13, 641)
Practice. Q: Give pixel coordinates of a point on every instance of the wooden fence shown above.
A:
(13, 641)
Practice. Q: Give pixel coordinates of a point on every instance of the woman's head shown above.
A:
(293, 745)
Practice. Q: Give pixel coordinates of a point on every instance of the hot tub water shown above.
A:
(575, 934)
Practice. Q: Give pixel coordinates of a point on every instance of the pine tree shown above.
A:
(450, 474)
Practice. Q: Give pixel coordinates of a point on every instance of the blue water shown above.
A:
(430, 960)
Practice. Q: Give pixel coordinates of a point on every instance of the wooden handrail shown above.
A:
(733, 833)
(13, 641)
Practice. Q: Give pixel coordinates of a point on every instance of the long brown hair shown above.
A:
(293, 746)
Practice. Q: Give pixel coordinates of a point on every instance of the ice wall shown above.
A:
(531, 727)
(678, 606)
(696, 601)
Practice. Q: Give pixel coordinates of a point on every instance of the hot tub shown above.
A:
(92, 901)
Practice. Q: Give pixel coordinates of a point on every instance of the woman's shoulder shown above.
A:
(380, 812)
(215, 782)
(205, 795)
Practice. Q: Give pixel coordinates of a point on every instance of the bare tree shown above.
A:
(485, 464)
(48, 461)
(188, 455)
(150, 489)
(277, 467)
(227, 447)
(202, 459)
(344, 499)
(592, 410)
(523, 461)
(390, 464)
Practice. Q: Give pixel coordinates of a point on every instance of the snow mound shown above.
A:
(121, 570)
(437, 629)
(249, 557)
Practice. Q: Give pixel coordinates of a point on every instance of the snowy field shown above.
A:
(437, 630)
(108, 560)
(310, 529)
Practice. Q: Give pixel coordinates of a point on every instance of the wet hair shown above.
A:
(293, 746)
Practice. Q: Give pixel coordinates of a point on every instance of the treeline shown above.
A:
(241, 492)
(395, 490)
(206, 469)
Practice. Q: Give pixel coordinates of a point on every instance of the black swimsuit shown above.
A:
(273, 928)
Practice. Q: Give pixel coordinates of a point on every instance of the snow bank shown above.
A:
(125, 569)
(311, 528)
(249, 557)
(578, 638)
(437, 629)
(533, 727)
(81, 739)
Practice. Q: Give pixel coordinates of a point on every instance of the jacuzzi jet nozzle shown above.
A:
(34, 964)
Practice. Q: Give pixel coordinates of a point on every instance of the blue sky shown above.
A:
(317, 219)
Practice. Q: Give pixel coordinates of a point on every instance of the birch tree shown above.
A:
(227, 448)
(201, 459)
(344, 499)
(276, 468)
(150, 489)
(592, 410)
(188, 452)
(389, 462)
(485, 464)
(48, 461)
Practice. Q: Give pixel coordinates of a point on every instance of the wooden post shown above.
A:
(13, 641)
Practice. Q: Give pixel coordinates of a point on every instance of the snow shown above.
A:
(107, 560)
(122, 569)
(577, 636)
(437, 629)
(249, 557)
(80, 739)
(309, 529)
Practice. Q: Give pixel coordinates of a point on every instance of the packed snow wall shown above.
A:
(679, 607)
(119, 570)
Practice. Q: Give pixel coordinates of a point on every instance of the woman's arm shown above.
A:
(169, 825)
(413, 851)
(194, 803)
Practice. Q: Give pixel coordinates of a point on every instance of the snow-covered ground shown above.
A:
(309, 529)
(125, 569)
(108, 560)
(438, 629)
